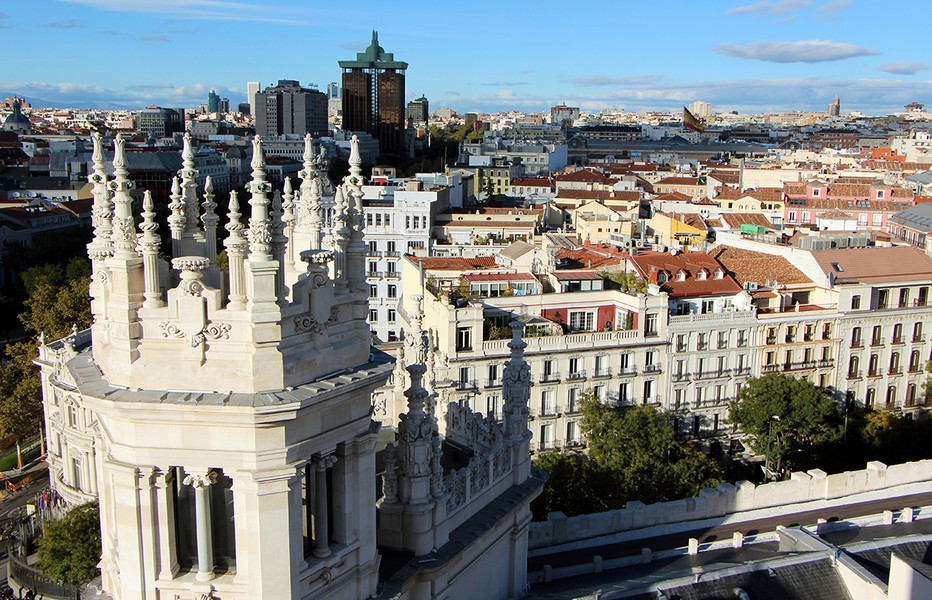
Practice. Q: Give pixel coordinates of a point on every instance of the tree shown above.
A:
(627, 282)
(569, 474)
(70, 547)
(57, 301)
(640, 447)
(786, 418)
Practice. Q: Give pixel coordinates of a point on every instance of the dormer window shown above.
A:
(719, 274)
(880, 194)
(702, 275)
(816, 192)
(662, 277)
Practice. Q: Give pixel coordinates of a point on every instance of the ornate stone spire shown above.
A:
(176, 218)
(279, 242)
(149, 243)
(210, 218)
(236, 250)
(102, 212)
(516, 387)
(309, 217)
(339, 237)
(288, 220)
(356, 247)
(416, 429)
(124, 232)
(189, 186)
(260, 225)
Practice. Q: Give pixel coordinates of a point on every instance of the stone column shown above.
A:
(205, 547)
(321, 522)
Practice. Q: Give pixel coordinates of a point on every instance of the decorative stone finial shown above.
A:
(124, 234)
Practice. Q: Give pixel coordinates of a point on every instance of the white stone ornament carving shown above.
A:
(201, 480)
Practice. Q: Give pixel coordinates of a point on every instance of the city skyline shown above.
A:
(763, 56)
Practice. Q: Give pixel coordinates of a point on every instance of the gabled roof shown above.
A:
(678, 181)
(585, 175)
(649, 264)
(674, 197)
(516, 250)
(584, 258)
(736, 220)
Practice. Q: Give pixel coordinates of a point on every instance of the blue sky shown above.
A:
(755, 56)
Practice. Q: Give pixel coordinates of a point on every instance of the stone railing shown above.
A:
(713, 317)
(472, 429)
(485, 474)
(728, 500)
(571, 341)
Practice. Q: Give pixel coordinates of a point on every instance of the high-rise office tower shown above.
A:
(373, 95)
(252, 88)
(333, 90)
(289, 108)
(834, 109)
(213, 102)
(418, 110)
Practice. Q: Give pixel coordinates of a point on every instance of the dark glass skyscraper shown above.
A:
(374, 95)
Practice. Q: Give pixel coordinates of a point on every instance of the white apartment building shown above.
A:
(399, 216)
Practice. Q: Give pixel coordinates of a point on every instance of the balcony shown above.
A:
(877, 341)
(576, 375)
(826, 362)
(771, 340)
(915, 368)
(854, 374)
(771, 368)
(722, 345)
(742, 371)
(681, 348)
(702, 346)
(652, 400)
(549, 377)
(894, 371)
(875, 373)
(652, 368)
(392, 253)
(678, 377)
(918, 339)
(899, 340)
(742, 342)
(857, 343)
(392, 274)
(493, 383)
(465, 384)
(601, 373)
(800, 365)
(628, 371)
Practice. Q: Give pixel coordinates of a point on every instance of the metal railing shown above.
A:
(29, 578)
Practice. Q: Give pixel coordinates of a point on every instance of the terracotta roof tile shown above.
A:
(650, 264)
(758, 267)
(896, 263)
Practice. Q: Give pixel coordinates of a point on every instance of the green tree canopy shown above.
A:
(69, 549)
(786, 418)
(633, 455)
(57, 300)
(640, 447)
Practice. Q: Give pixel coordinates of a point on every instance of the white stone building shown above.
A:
(222, 417)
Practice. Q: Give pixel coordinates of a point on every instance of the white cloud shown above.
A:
(81, 95)
(829, 11)
(215, 10)
(597, 81)
(773, 9)
(808, 51)
(905, 67)
(872, 96)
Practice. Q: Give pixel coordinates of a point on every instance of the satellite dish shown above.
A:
(673, 251)
(615, 217)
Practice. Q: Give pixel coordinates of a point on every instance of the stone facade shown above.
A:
(222, 416)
